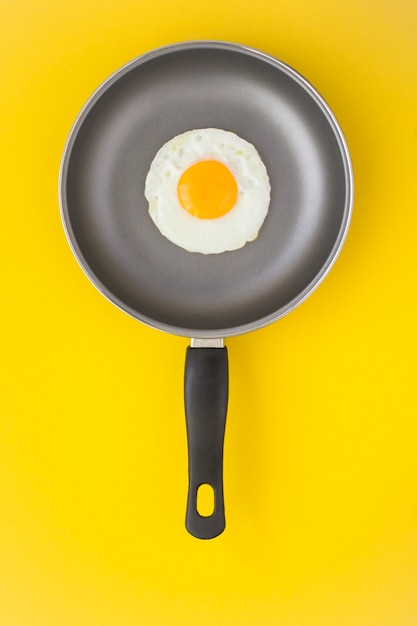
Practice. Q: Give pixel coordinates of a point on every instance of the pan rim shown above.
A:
(339, 241)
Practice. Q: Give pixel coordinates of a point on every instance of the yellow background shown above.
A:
(320, 455)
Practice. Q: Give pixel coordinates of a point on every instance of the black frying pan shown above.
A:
(206, 297)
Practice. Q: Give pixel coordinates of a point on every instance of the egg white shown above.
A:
(208, 236)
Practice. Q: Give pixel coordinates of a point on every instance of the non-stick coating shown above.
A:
(108, 154)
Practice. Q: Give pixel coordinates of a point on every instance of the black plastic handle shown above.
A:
(206, 384)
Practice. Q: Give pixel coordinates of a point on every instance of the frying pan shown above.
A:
(204, 84)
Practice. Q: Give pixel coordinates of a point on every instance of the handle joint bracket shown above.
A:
(216, 342)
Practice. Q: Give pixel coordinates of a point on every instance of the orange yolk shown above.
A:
(207, 190)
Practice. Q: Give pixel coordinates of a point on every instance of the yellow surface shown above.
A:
(321, 462)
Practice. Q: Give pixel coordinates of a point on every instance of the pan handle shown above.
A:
(205, 395)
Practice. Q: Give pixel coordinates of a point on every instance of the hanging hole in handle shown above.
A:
(205, 500)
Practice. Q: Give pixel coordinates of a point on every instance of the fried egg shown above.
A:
(208, 191)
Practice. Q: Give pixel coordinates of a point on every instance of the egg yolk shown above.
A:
(207, 189)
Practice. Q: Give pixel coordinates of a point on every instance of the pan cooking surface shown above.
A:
(113, 143)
